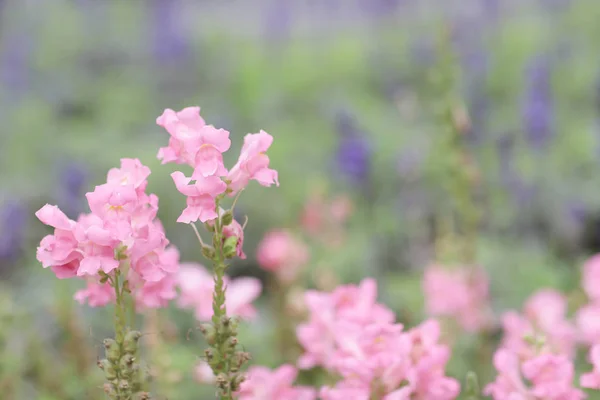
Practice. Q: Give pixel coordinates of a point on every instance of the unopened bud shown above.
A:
(227, 218)
(208, 353)
(208, 252)
(221, 380)
(232, 342)
(131, 341)
(237, 381)
(230, 246)
(209, 333)
(126, 362)
(110, 390)
(111, 349)
(109, 370)
(141, 396)
(124, 385)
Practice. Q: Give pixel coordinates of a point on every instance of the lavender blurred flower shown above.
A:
(73, 179)
(170, 42)
(13, 221)
(278, 20)
(537, 103)
(379, 8)
(353, 155)
(14, 59)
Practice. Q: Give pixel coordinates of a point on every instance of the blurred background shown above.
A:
(348, 89)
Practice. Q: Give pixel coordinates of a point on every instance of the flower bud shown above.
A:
(221, 380)
(141, 396)
(124, 385)
(111, 349)
(232, 342)
(110, 390)
(126, 362)
(230, 246)
(109, 370)
(208, 252)
(237, 381)
(209, 333)
(227, 218)
(131, 341)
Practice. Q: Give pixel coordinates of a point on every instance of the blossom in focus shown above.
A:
(201, 146)
(262, 383)
(282, 253)
(122, 226)
(461, 294)
(253, 163)
(196, 286)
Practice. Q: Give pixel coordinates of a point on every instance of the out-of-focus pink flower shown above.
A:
(197, 286)
(591, 278)
(588, 323)
(349, 304)
(545, 315)
(253, 163)
(203, 373)
(324, 219)
(96, 294)
(200, 197)
(551, 377)
(262, 384)
(155, 294)
(591, 380)
(459, 293)
(508, 384)
(282, 253)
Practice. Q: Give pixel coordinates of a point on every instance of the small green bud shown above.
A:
(221, 380)
(141, 396)
(109, 370)
(126, 287)
(123, 385)
(131, 341)
(472, 390)
(230, 246)
(232, 342)
(111, 349)
(110, 390)
(209, 333)
(227, 218)
(126, 362)
(103, 277)
(209, 354)
(237, 381)
(208, 252)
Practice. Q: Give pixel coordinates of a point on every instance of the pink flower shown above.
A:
(591, 278)
(591, 380)
(132, 172)
(261, 384)
(282, 253)
(197, 286)
(96, 294)
(588, 323)
(458, 293)
(97, 244)
(156, 294)
(203, 373)
(183, 126)
(235, 229)
(331, 312)
(545, 314)
(253, 163)
(508, 384)
(200, 197)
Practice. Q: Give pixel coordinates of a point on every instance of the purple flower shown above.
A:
(353, 155)
(13, 221)
(378, 8)
(537, 103)
(14, 60)
(73, 179)
(170, 43)
(278, 20)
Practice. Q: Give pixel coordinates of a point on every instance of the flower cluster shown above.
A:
(201, 146)
(543, 326)
(121, 233)
(353, 336)
(197, 286)
(535, 359)
(458, 293)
